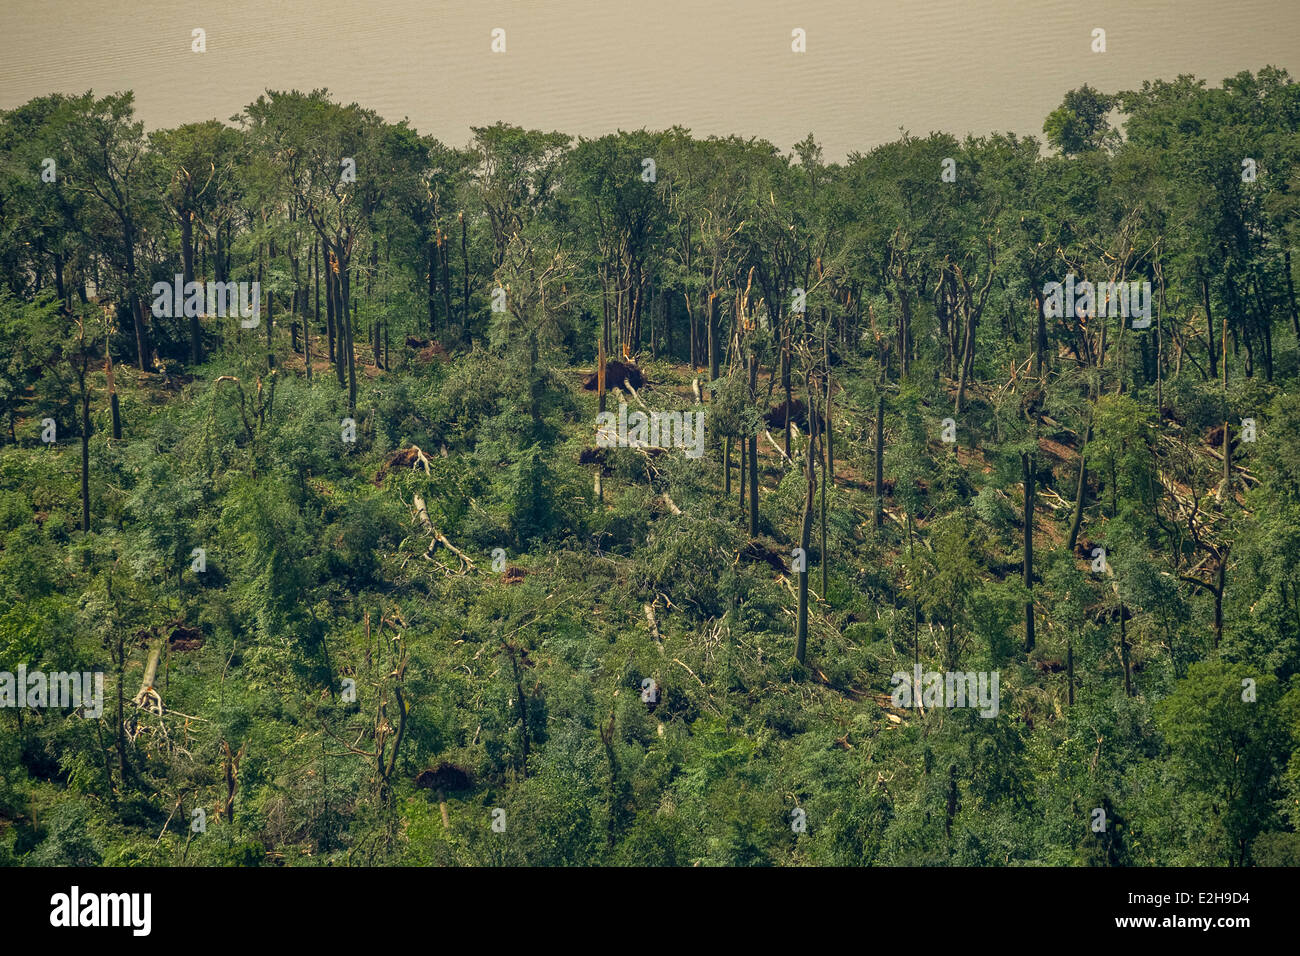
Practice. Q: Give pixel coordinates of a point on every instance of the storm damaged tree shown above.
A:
(108, 162)
(805, 524)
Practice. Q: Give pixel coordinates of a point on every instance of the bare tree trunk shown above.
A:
(1027, 464)
(1069, 670)
(85, 453)
(785, 382)
(464, 264)
(825, 480)
(1077, 517)
(121, 705)
(1218, 598)
(743, 473)
(306, 320)
(1209, 326)
(1227, 461)
(713, 332)
(387, 770)
(330, 308)
(1290, 294)
(878, 513)
(115, 410)
(1040, 336)
(828, 429)
(753, 452)
(187, 267)
(433, 283)
(600, 372)
(345, 296)
(726, 466)
(1123, 653)
(144, 350)
(805, 533)
(444, 254)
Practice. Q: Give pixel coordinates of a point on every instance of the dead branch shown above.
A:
(654, 622)
(780, 451)
(422, 514)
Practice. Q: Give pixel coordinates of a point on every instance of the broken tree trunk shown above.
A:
(422, 514)
(653, 622)
(147, 698)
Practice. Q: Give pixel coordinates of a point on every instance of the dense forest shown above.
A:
(303, 410)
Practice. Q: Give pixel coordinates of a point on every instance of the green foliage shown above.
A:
(430, 595)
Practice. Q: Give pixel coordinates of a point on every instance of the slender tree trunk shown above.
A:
(600, 372)
(742, 477)
(1069, 670)
(270, 307)
(904, 331)
(1209, 327)
(1040, 336)
(785, 382)
(1264, 319)
(666, 298)
(464, 265)
(1218, 597)
(693, 334)
(345, 297)
(85, 454)
(306, 333)
(967, 360)
(433, 284)
(187, 264)
(1027, 462)
(114, 408)
(726, 466)
(330, 324)
(1290, 294)
(822, 561)
(1160, 315)
(1227, 461)
(121, 716)
(1077, 518)
(878, 512)
(1223, 341)
(713, 331)
(144, 350)
(1124, 653)
(805, 534)
(59, 287)
(753, 452)
(340, 330)
(827, 428)
(315, 277)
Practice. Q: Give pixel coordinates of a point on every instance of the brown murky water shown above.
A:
(590, 66)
